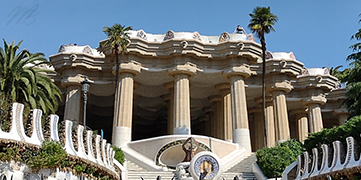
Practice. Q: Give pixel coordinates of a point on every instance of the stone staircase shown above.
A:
(138, 173)
(243, 170)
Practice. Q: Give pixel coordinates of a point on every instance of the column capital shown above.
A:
(215, 98)
(242, 70)
(131, 67)
(166, 97)
(299, 112)
(284, 86)
(209, 109)
(224, 88)
(72, 80)
(320, 99)
(341, 112)
(188, 68)
(169, 85)
(268, 99)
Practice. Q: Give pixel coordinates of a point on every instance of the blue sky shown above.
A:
(317, 31)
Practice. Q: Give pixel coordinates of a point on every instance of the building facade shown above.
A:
(184, 83)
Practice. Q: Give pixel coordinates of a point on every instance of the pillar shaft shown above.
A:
(227, 117)
(281, 116)
(342, 118)
(171, 114)
(302, 127)
(270, 125)
(315, 117)
(123, 110)
(239, 112)
(258, 130)
(169, 98)
(73, 102)
(182, 117)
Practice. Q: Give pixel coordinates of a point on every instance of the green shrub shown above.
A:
(273, 161)
(327, 136)
(50, 155)
(119, 155)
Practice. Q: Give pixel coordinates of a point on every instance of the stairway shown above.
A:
(137, 173)
(147, 175)
(243, 170)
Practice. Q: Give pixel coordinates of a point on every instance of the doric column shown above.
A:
(73, 99)
(270, 123)
(302, 125)
(240, 133)
(258, 129)
(123, 106)
(210, 122)
(170, 99)
(218, 116)
(280, 110)
(314, 104)
(182, 116)
(342, 115)
(227, 111)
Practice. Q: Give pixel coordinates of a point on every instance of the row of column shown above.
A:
(229, 116)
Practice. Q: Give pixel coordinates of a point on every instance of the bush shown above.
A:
(50, 155)
(273, 161)
(119, 155)
(340, 133)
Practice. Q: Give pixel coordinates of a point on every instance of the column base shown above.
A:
(242, 138)
(182, 130)
(121, 136)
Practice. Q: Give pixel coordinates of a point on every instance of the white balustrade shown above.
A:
(104, 153)
(314, 170)
(341, 161)
(325, 167)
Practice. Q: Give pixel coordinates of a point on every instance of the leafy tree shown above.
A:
(353, 77)
(273, 161)
(261, 23)
(118, 41)
(340, 133)
(335, 71)
(23, 80)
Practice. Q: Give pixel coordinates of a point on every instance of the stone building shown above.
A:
(184, 83)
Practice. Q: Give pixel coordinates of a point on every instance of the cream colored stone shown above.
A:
(182, 124)
(314, 112)
(281, 116)
(239, 112)
(270, 124)
(302, 126)
(73, 103)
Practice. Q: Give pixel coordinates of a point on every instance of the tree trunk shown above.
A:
(263, 43)
(116, 66)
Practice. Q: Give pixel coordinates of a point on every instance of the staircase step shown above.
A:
(148, 175)
(133, 167)
(243, 170)
(241, 176)
(243, 166)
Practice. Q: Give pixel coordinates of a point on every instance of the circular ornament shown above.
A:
(205, 164)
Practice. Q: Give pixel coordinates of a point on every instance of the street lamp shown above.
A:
(85, 88)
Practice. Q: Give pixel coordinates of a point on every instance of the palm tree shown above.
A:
(23, 80)
(261, 23)
(118, 41)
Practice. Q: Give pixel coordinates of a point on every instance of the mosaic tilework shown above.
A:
(176, 143)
